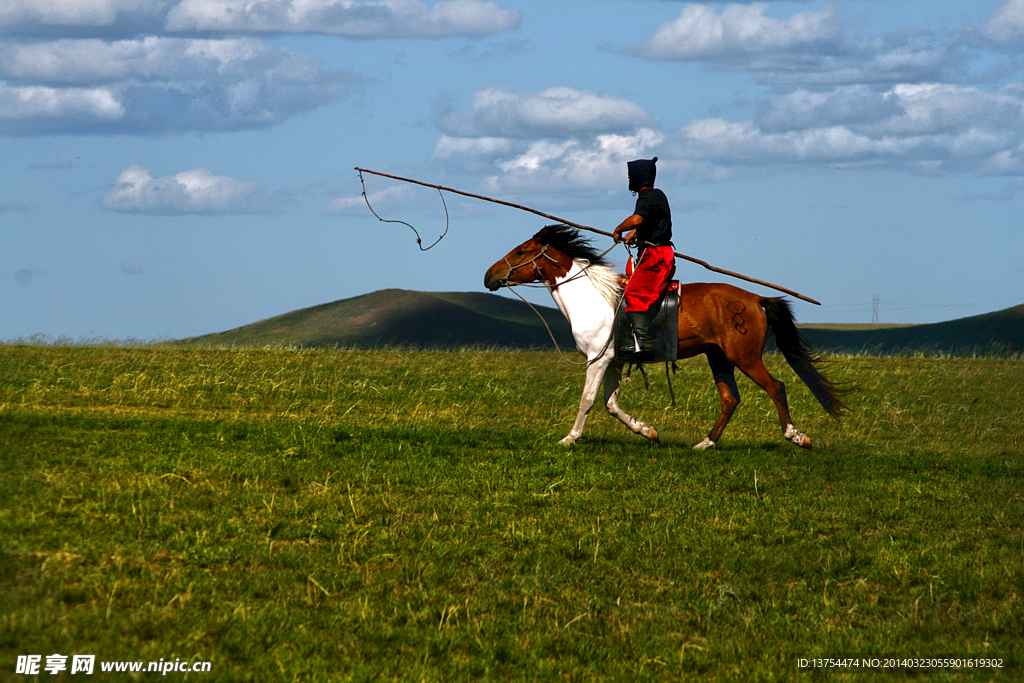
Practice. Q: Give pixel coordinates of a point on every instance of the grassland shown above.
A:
(390, 515)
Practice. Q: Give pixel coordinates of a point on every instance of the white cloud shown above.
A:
(806, 48)
(545, 142)
(701, 33)
(898, 57)
(379, 19)
(934, 128)
(150, 58)
(390, 197)
(742, 142)
(941, 108)
(48, 109)
(597, 164)
(196, 191)
(448, 147)
(67, 13)
(901, 57)
(472, 156)
(803, 109)
(557, 112)
(1006, 23)
(846, 99)
(158, 85)
(355, 19)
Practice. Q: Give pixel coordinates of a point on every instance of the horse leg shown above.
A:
(756, 371)
(723, 370)
(612, 385)
(595, 373)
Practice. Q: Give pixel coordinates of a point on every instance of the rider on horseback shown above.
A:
(650, 228)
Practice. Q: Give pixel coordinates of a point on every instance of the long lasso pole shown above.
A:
(691, 259)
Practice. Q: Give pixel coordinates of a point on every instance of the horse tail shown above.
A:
(802, 358)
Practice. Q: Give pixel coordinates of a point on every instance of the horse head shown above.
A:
(536, 259)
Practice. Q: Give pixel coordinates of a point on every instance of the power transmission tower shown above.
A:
(874, 309)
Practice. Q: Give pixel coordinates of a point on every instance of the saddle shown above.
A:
(665, 326)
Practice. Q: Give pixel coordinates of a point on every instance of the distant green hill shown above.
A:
(401, 317)
(451, 319)
(998, 332)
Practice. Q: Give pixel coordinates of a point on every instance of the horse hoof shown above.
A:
(704, 445)
(793, 436)
(653, 436)
(567, 441)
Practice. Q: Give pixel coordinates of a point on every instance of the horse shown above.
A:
(727, 324)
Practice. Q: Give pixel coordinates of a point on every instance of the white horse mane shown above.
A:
(605, 280)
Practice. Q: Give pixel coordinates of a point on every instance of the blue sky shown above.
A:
(178, 167)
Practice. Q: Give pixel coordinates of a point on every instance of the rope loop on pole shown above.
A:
(419, 241)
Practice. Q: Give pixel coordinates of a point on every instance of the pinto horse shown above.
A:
(727, 324)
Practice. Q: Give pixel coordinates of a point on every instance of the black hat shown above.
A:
(641, 173)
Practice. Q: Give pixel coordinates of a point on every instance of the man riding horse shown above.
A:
(650, 228)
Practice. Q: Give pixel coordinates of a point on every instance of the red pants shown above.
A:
(650, 278)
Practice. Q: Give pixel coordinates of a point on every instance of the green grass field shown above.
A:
(390, 515)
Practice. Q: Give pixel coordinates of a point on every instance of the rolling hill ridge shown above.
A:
(397, 317)
(997, 332)
(405, 318)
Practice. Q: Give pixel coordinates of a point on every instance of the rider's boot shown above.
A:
(641, 323)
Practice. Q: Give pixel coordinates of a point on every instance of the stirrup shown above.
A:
(628, 350)
(645, 355)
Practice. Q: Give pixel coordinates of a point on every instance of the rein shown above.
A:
(583, 271)
(552, 334)
(532, 262)
(504, 282)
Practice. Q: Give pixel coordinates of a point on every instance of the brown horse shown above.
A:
(727, 324)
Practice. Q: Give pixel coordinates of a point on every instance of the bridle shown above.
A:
(543, 253)
(504, 282)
